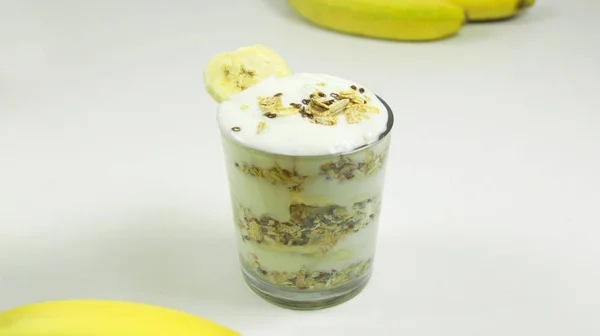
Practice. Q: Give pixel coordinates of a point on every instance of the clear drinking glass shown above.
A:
(307, 225)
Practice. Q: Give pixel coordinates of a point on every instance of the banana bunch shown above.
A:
(405, 20)
(408, 20)
(104, 318)
(231, 72)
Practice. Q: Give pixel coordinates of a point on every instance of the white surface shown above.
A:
(113, 185)
(294, 134)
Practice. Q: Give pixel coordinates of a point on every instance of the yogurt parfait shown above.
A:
(305, 157)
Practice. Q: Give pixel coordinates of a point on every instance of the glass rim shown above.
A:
(388, 129)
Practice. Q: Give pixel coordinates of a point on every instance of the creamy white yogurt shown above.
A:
(296, 135)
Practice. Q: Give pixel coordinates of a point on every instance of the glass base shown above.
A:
(303, 300)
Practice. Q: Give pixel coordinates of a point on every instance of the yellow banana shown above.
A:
(228, 73)
(489, 10)
(407, 20)
(104, 318)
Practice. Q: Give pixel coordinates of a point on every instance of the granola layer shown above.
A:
(311, 279)
(314, 227)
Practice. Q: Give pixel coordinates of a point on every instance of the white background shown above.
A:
(112, 181)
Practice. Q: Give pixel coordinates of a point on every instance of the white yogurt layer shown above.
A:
(294, 134)
(354, 248)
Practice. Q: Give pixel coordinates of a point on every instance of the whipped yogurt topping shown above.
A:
(243, 119)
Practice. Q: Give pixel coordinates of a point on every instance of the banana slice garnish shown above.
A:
(232, 72)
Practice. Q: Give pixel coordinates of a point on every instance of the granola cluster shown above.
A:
(320, 227)
(322, 109)
(305, 279)
(347, 169)
(274, 175)
(272, 106)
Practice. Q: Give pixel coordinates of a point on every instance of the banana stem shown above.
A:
(522, 4)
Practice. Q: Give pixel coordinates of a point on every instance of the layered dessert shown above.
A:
(305, 204)
(305, 157)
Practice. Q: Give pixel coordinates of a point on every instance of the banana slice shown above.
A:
(231, 72)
